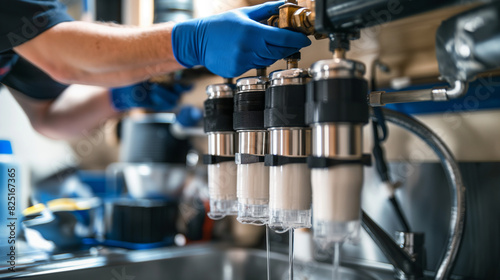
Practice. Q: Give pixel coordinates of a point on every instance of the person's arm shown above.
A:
(227, 44)
(90, 53)
(81, 108)
(71, 115)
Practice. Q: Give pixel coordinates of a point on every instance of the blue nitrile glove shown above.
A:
(147, 95)
(189, 116)
(233, 42)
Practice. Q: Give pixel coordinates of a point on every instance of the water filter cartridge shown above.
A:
(289, 145)
(336, 110)
(253, 175)
(218, 122)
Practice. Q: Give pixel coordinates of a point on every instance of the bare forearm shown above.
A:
(89, 53)
(76, 112)
(124, 77)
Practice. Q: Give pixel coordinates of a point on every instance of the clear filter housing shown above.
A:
(337, 189)
(222, 190)
(290, 197)
(253, 175)
(290, 184)
(337, 203)
(222, 176)
(290, 141)
(337, 113)
(221, 145)
(253, 193)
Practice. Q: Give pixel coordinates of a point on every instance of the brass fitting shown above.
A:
(292, 61)
(261, 72)
(294, 17)
(297, 18)
(273, 20)
(339, 53)
(303, 21)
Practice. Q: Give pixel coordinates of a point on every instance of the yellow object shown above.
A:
(67, 204)
(33, 210)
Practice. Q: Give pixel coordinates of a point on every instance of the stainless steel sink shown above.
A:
(197, 262)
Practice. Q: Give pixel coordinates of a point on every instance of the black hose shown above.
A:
(378, 123)
(454, 178)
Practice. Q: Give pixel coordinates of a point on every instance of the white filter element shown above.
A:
(222, 180)
(336, 203)
(290, 197)
(290, 187)
(222, 189)
(253, 193)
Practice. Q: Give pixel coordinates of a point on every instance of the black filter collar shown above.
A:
(212, 159)
(248, 158)
(218, 115)
(276, 160)
(324, 162)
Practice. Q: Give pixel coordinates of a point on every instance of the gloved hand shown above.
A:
(231, 43)
(189, 116)
(147, 95)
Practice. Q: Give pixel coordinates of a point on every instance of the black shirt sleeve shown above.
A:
(23, 20)
(31, 81)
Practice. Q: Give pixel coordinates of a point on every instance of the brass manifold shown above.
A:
(297, 17)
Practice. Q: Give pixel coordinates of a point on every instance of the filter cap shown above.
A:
(248, 84)
(337, 68)
(220, 91)
(295, 76)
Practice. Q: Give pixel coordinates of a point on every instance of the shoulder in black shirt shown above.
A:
(21, 21)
